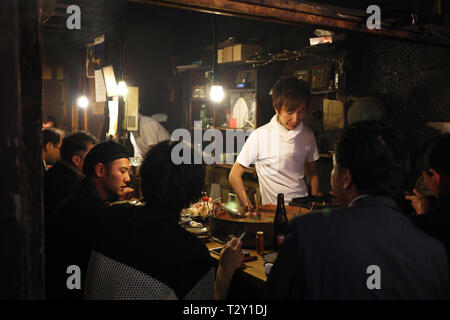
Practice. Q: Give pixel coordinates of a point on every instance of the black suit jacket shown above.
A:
(70, 233)
(327, 255)
(59, 182)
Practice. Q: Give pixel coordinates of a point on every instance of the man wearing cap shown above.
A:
(72, 226)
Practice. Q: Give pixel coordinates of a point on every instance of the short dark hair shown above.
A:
(76, 142)
(291, 92)
(375, 152)
(49, 119)
(168, 185)
(52, 135)
(438, 155)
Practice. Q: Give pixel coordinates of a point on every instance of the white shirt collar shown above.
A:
(284, 133)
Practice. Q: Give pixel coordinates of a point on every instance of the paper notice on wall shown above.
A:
(100, 87)
(110, 80)
(131, 109)
(113, 117)
(333, 114)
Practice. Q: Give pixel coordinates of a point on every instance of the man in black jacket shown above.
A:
(368, 249)
(72, 226)
(66, 175)
(436, 173)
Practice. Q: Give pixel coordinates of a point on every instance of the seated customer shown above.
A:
(141, 252)
(66, 175)
(436, 221)
(368, 249)
(51, 144)
(73, 224)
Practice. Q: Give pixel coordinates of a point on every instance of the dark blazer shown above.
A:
(70, 231)
(153, 242)
(59, 182)
(437, 222)
(327, 255)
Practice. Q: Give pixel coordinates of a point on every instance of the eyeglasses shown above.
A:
(56, 146)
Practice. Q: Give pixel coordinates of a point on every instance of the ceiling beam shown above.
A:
(297, 13)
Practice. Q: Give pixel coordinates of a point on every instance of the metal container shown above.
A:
(223, 224)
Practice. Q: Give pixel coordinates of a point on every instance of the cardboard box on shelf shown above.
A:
(227, 54)
(244, 51)
(220, 56)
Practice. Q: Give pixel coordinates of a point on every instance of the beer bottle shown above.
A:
(280, 223)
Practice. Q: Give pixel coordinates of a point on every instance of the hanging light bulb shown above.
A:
(216, 94)
(83, 101)
(122, 88)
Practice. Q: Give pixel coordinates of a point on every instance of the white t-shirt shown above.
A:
(279, 156)
(150, 132)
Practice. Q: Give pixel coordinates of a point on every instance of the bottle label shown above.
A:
(280, 239)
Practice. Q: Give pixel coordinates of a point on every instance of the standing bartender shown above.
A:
(282, 150)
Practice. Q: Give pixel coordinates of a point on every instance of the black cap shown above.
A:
(104, 153)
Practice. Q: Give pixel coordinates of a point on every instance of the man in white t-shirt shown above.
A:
(283, 150)
(150, 132)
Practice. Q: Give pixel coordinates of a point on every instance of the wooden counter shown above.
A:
(252, 272)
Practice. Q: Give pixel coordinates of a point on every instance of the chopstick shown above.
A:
(255, 196)
(242, 235)
(248, 203)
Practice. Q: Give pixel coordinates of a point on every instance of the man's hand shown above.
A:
(231, 256)
(230, 259)
(125, 193)
(419, 202)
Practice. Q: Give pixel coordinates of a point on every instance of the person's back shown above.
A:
(347, 242)
(150, 133)
(174, 264)
(367, 249)
(59, 182)
(69, 234)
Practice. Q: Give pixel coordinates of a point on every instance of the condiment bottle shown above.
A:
(280, 223)
(260, 242)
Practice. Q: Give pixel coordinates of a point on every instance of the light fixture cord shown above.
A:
(214, 51)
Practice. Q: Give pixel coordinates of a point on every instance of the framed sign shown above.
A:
(95, 56)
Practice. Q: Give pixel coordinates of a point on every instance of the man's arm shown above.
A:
(230, 260)
(236, 182)
(313, 177)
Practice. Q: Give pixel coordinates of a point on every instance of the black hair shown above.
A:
(437, 156)
(76, 142)
(167, 185)
(49, 119)
(375, 152)
(291, 92)
(52, 135)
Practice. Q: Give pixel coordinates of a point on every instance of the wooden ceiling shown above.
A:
(432, 27)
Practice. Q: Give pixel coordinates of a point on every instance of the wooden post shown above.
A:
(21, 217)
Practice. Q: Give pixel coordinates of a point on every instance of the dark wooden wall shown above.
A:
(21, 217)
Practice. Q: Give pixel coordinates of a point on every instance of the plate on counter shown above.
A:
(199, 232)
(270, 257)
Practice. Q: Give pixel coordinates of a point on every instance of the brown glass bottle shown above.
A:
(280, 223)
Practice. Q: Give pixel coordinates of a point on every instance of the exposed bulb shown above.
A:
(83, 101)
(216, 94)
(122, 88)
